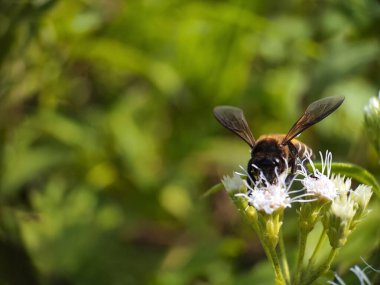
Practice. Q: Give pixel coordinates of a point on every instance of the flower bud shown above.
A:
(271, 225)
(337, 220)
(233, 184)
(361, 197)
(309, 214)
(372, 121)
(342, 184)
(237, 190)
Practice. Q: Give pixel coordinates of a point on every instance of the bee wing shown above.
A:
(316, 112)
(233, 119)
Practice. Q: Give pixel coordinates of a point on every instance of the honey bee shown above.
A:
(274, 153)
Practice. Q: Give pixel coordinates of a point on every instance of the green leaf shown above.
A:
(356, 172)
(214, 189)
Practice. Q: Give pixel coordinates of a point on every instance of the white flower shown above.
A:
(361, 195)
(320, 187)
(342, 184)
(270, 198)
(372, 121)
(373, 106)
(319, 184)
(337, 221)
(360, 274)
(267, 197)
(343, 207)
(363, 278)
(232, 184)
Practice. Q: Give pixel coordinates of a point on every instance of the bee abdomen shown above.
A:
(302, 149)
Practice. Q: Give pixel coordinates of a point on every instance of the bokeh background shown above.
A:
(107, 138)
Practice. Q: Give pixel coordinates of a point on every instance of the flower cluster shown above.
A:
(322, 197)
(319, 185)
(267, 197)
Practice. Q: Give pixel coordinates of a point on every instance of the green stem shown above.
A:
(280, 280)
(301, 253)
(284, 261)
(267, 252)
(322, 269)
(316, 250)
(270, 251)
(268, 242)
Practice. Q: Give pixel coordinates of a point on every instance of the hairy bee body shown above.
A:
(269, 154)
(301, 147)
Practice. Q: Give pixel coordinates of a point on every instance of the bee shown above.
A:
(274, 153)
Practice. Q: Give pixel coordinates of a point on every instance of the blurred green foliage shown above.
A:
(108, 139)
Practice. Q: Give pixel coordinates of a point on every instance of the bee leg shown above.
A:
(289, 178)
(293, 157)
(292, 162)
(250, 169)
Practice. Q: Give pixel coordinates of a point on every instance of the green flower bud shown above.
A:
(361, 197)
(250, 213)
(271, 225)
(309, 214)
(235, 185)
(337, 220)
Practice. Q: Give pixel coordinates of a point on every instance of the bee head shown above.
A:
(266, 157)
